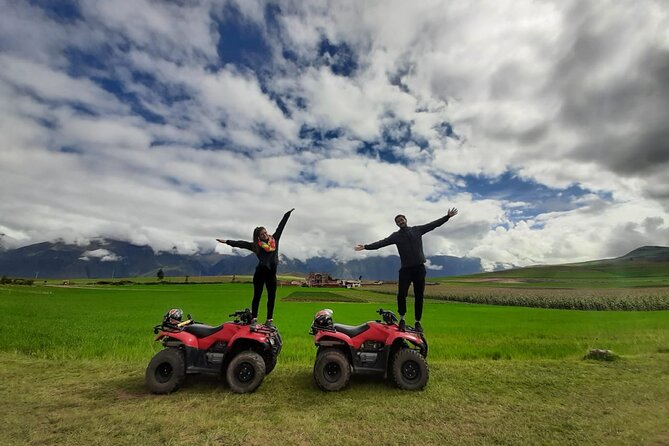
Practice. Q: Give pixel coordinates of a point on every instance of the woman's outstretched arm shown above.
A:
(282, 224)
(237, 243)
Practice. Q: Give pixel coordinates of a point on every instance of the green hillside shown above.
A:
(647, 266)
(647, 261)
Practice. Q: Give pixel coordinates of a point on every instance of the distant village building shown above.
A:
(321, 280)
(351, 283)
(325, 280)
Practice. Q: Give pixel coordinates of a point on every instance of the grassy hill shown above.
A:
(645, 266)
(647, 261)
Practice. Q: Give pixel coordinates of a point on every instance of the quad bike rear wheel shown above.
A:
(410, 370)
(332, 370)
(245, 372)
(166, 371)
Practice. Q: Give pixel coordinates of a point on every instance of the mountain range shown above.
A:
(104, 258)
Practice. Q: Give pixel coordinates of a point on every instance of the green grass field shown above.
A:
(74, 357)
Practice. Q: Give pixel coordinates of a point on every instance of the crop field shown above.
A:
(74, 358)
(588, 286)
(579, 298)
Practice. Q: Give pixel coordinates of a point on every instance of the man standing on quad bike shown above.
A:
(266, 248)
(409, 242)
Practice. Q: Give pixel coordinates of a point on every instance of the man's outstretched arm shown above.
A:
(435, 224)
(376, 245)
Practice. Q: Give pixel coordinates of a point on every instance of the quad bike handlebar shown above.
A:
(244, 316)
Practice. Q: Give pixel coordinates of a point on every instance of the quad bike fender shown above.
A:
(248, 335)
(185, 338)
(399, 342)
(325, 340)
(414, 338)
(328, 337)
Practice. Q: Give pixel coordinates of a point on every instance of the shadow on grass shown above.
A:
(133, 387)
(290, 381)
(303, 381)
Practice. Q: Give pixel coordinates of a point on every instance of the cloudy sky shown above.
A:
(170, 123)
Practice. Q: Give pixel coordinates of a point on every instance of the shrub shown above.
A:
(599, 354)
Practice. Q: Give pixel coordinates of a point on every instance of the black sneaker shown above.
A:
(269, 324)
(418, 327)
(253, 323)
(403, 325)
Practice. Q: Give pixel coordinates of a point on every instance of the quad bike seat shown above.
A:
(201, 330)
(351, 330)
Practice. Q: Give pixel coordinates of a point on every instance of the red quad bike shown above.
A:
(244, 354)
(375, 347)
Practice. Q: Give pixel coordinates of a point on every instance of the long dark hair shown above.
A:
(256, 238)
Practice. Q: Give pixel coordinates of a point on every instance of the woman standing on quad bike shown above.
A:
(266, 248)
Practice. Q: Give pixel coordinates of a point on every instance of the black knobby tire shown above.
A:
(270, 361)
(332, 370)
(245, 372)
(270, 357)
(166, 371)
(410, 370)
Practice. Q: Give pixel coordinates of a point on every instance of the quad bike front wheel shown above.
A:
(410, 370)
(245, 372)
(270, 361)
(166, 371)
(332, 370)
(271, 357)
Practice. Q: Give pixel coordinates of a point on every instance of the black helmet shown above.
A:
(323, 318)
(173, 317)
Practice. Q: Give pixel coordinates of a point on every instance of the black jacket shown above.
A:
(269, 260)
(409, 242)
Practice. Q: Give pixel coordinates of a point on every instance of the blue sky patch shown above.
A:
(80, 63)
(116, 88)
(395, 137)
(341, 58)
(83, 109)
(379, 151)
(315, 138)
(98, 68)
(61, 10)
(400, 134)
(70, 149)
(539, 198)
(241, 43)
(445, 129)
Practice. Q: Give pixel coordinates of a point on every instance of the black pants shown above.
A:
(415, 274)
(264, 277)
